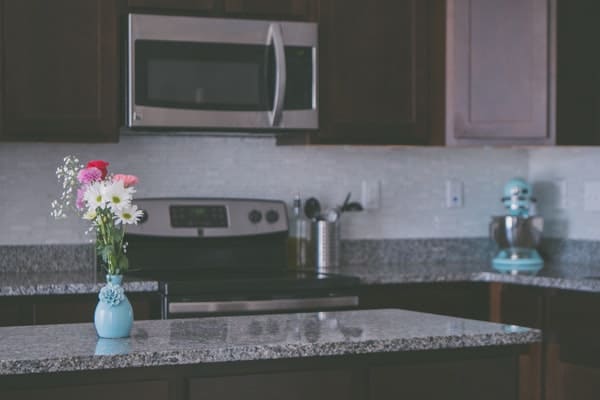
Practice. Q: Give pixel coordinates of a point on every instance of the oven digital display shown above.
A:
(198, 216)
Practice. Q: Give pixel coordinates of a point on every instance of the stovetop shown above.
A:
(284, 281)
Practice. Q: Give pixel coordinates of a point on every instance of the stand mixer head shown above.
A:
(519, 232)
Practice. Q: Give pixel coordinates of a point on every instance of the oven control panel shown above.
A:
(209, 217)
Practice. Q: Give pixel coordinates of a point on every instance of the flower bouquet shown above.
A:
(105, 200)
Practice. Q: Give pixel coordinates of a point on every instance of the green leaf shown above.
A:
(123, 263)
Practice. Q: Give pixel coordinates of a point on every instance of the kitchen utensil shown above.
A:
(312, 208)
(346, 201)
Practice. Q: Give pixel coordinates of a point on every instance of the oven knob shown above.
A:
(255, 216)
(272, 216)
(144, 217)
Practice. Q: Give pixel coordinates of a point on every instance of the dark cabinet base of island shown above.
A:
(465, 374)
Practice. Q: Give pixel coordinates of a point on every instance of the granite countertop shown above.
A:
(60, 283)
(75, 347)
(560, 276)
(568, 276)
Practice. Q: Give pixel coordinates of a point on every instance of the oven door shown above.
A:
(208, 73)
(190, 307)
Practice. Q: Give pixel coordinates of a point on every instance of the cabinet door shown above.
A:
(181, 5)
(80, 308)
(152, 390)
(314, 385)
(500, 72)
(61, 70)
(573, 351)
(524, 306)
(15, 312)
(491, 379)
(279, 9)
(373, 71)
(465, 300)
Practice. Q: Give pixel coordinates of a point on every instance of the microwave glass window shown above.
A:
(203, 83)
(208, 76)
(216, 76)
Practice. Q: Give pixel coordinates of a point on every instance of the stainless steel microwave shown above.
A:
(210, 73)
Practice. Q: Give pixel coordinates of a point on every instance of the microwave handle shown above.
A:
(276, 37)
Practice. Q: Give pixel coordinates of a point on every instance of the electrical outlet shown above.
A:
(454, 193)
(371, 195)
(591, 196)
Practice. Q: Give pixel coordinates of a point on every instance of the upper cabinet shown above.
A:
(414, 72)
(284, 9)
(180, 5)
(500, 72)
(373, 72)
(60, 70)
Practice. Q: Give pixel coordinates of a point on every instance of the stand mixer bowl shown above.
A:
(514, 232)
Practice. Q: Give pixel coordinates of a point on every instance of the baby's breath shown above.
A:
(67, 176)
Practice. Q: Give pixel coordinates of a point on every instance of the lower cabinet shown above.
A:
(566, 365)
(13, 313)
(573, 348)
(465, 374)
(314, 385)
(524, 306)
(445, 380)
(63, 309)
(457, 299)
(153, 390)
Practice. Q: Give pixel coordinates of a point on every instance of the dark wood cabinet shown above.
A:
(14, 312)
(152, 390)
(523, 306)
(373, 72)
(60, 70)
(465, 300)
(62, 309)
(176, 5)
(317, 385)
(278, 9)
(573, 355)
(445, 380)
(578, 73)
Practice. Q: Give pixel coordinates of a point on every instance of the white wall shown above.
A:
(575, 166)
(413, 181)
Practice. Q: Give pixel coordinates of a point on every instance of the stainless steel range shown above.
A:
(227, 256)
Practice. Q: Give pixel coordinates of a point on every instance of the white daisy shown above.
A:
(90, 215)
(117, 195)
(94, 196)
(128, 215)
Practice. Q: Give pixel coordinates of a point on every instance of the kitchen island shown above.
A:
(375, 354)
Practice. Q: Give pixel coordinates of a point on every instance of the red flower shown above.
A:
(100, 164)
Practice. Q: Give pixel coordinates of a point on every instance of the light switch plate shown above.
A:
(454, 194)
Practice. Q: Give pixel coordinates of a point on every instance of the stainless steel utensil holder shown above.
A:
(326, 238)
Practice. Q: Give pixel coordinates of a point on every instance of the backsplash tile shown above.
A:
(412, 181)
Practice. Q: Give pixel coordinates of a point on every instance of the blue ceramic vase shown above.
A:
(114, 316)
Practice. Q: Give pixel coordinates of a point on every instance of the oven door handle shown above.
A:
(276, 38)
(262, 305)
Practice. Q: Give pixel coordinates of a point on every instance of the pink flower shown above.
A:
(89, 175)
(128, 180)
(80, 202)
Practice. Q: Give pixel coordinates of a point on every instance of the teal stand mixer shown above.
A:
(518, 233)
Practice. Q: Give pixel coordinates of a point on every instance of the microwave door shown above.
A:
(204, 73)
